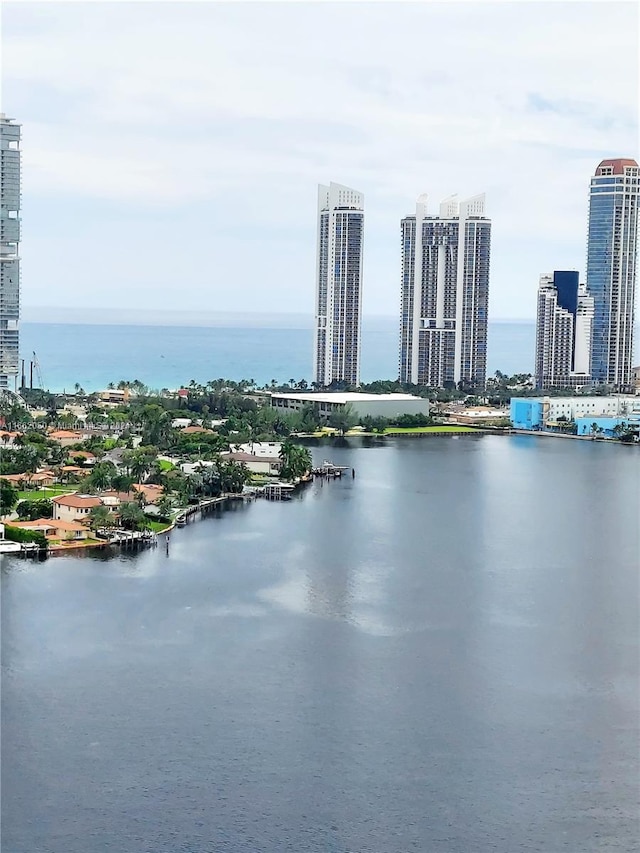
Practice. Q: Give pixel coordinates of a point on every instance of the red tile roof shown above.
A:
(77, 501)
(618, 165)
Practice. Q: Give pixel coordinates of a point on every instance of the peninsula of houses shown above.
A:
(90, 470)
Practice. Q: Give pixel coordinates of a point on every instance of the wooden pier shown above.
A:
(329, 470)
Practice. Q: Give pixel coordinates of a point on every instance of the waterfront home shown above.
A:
(74, 507)
(270, 465)
(65, 531)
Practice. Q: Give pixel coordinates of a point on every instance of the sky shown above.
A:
(172, 151)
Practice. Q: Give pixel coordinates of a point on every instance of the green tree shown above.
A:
(343, 419)
(295, 459)
(132, 517)
(121, 482)
(165, 506)
(31, 510)
(102, 474)
(100, 518)
(8, 497)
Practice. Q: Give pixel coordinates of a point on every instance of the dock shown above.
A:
(328, 469)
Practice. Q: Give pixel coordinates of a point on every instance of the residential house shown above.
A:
(64, 531)
(152, 492)
(270, 465)
(74, 507)
(31, 479)
(67, 437)
(86, 456)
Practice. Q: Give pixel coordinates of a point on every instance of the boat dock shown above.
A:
(328, 469)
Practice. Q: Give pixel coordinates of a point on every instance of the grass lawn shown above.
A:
(43, 494)
(423, 429)
(165, 465)
(158, 526)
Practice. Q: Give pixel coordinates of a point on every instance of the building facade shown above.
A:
(445, 294)
(611, 268)
(361, 405)
(564, 329)
(338, 315)
(9, 251)
(539, 413)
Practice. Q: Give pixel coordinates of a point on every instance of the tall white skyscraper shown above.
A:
(611, 267)
(338, 285)
(564, 331)
(9, 250)
(445, 294)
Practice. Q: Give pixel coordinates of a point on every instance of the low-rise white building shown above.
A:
(540, 412)
(375, 405)
(270, 449)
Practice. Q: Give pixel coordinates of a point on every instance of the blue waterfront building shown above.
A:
(553, 413)
(526, 413)
(611, 268)
(606, 427)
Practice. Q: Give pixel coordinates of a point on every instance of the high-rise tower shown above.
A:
(445, 294)
(9, 250)
(611, 267)
(563, 332)
(338, 285)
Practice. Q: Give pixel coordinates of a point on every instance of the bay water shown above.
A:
(438, 654)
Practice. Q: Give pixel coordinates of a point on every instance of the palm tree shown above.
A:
(100, 517)
(132, 517)
(101, 475)
(295, 459)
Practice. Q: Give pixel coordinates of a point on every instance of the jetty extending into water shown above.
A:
(328, 469)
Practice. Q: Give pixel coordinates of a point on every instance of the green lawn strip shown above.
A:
(42, 494)
(158, 526)
(426, 429)
(165, 465)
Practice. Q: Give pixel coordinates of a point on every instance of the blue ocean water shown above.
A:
(170, 356)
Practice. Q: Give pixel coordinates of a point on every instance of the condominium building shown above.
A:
(9, 250)
(445, 294)
(563, 332)
(611, 268)
(338, 285)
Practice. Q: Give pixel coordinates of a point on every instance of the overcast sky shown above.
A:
(171, 152)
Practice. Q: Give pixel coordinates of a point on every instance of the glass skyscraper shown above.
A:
(338, 286)
(9, 250)
(611, 268)
(445, 294)
(564, 329)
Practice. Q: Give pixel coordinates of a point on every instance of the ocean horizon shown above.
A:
(168, 356)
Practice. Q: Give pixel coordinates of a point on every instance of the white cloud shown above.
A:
(191, 119)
